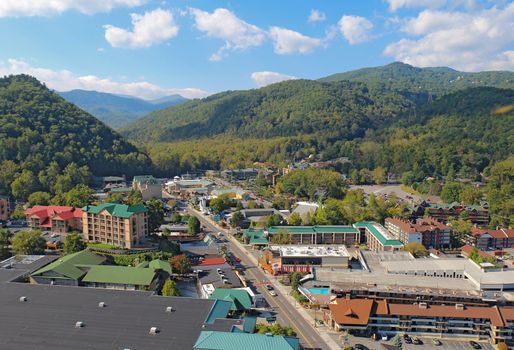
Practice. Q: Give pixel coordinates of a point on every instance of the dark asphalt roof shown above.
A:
(47, 319)
(213, 277)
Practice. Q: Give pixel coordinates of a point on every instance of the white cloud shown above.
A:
(468, 41)
(286, 41)
(224, 24)
(355, 29)
(266, 78)
(316, 16)
(149, 29)
(64, 80)
(22, 8)
(397, 4)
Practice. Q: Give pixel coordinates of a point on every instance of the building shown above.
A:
(5, 208)
(259, 215)
(427, 231)
(377, 237)
(486, 239)
(366, 317)
(240, 174)
(477, 214)
(232, 193)
(120, 225)
(211, 279)
(59, 219)
(239, 298)
(121, 277)
(287, 258)
(148, 185)
(310, 235)
(186, 188)
(212, 340)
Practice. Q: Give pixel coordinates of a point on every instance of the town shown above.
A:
(208, 260)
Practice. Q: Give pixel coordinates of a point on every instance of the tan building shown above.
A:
(117, 224)
(5, 208)
(149, 187)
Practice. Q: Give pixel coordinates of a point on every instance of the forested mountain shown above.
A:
(436, 80)
(117, 111)
(37, 127)
(291, 108)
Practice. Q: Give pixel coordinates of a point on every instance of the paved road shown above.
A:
(309, 338)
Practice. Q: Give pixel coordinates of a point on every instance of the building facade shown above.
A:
(477, 214)
(5, 208)
(311, 235)
(485, 239)
(149, 187)
(377, 237)
(427, 231)
(54, 218)
(116, 224)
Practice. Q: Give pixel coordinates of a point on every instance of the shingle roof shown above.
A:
(239, 298)
(67, 265)
(120, 275)
(236, 341)
(116, 209)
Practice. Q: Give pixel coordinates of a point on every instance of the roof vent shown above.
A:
(154, 330)
(423, 305)
(169, 309)
(102, 304)
(79, 324)
(23, 299)
(459, 306)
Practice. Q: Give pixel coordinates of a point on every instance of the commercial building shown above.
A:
(148, 185)
(121, 277)
(59, 219)
(189, 187)
(117, 224)
(239, 299)
(5, 208)
(311, 235)
(427, 231)
(477, 214)
(211, 340)
(486, 239)
(287, 258)
(366, 317)
(377, 237)
(232, 193)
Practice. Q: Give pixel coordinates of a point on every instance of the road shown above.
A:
(288, 314)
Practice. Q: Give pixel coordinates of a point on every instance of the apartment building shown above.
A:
(311, 235)
(54, 218)
(117, 224)
(477, 214)
(377, 237)
(485, 239)
(5, 208)
(149, 187)
(427, 231)
(366, 317)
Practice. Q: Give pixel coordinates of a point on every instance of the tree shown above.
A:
(502, 346)
(5, 241)
(73, 243)
(237, 219)
(295, 278)
(220, 203)
(170, 289)
(39, 198)
(180, 264)
(9, 172)
(451, 192)
(379, 175)
(114, 197)
(79, 196)
(294, 219)
(416, 248)
(176, 218)
(18, 213)
(193, 226)
(281, 238)
(275, 329)
(135, 197)
(28, 243)
(274, 220)
(24, 184)
(155, 214)
(470, 195)
(251, 205)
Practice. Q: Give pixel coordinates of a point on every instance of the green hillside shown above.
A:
(37, 126)
(290, 108)
(436, 80)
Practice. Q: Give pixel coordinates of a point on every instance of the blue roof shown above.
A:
(236, 341)
(220, 309)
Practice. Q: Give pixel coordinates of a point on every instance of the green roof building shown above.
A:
(211, 340)
(239, 298)
(120, 277)
(377, 236)
(312, 235)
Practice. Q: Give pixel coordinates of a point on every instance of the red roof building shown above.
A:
(486, 239)
(60, 219)
(427, 231)
(212, 261)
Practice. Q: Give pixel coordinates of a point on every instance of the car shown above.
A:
(407, 339)
(436, 342)
(268, 286)
(475, 345)
(360, 347)
(272, 293)
(417, 341)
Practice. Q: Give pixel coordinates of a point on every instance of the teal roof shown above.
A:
(116, 209)
(212, 340)
(291, 229)
(374, 229)
(160, 264)
(255, 241)
(220, 309)
(335, 229)
(145, 179)
(239, 298)
(249, 324)
(313, 229)
(121, 189)
(256, 237)
(120, 275)
(68, 265)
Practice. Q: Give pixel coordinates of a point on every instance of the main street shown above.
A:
(287, 311)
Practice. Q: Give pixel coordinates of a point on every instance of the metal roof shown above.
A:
(236, 341)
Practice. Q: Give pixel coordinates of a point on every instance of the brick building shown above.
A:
(59, 219)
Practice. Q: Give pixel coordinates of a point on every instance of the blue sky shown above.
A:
(152, 48)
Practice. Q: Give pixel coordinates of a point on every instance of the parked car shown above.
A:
(272, 293)
(360, 347)
(436, 342)
(407, 339)
(475, 345)
(268, 286)
(417, 341)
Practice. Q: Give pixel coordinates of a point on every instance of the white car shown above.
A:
(272, 293)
